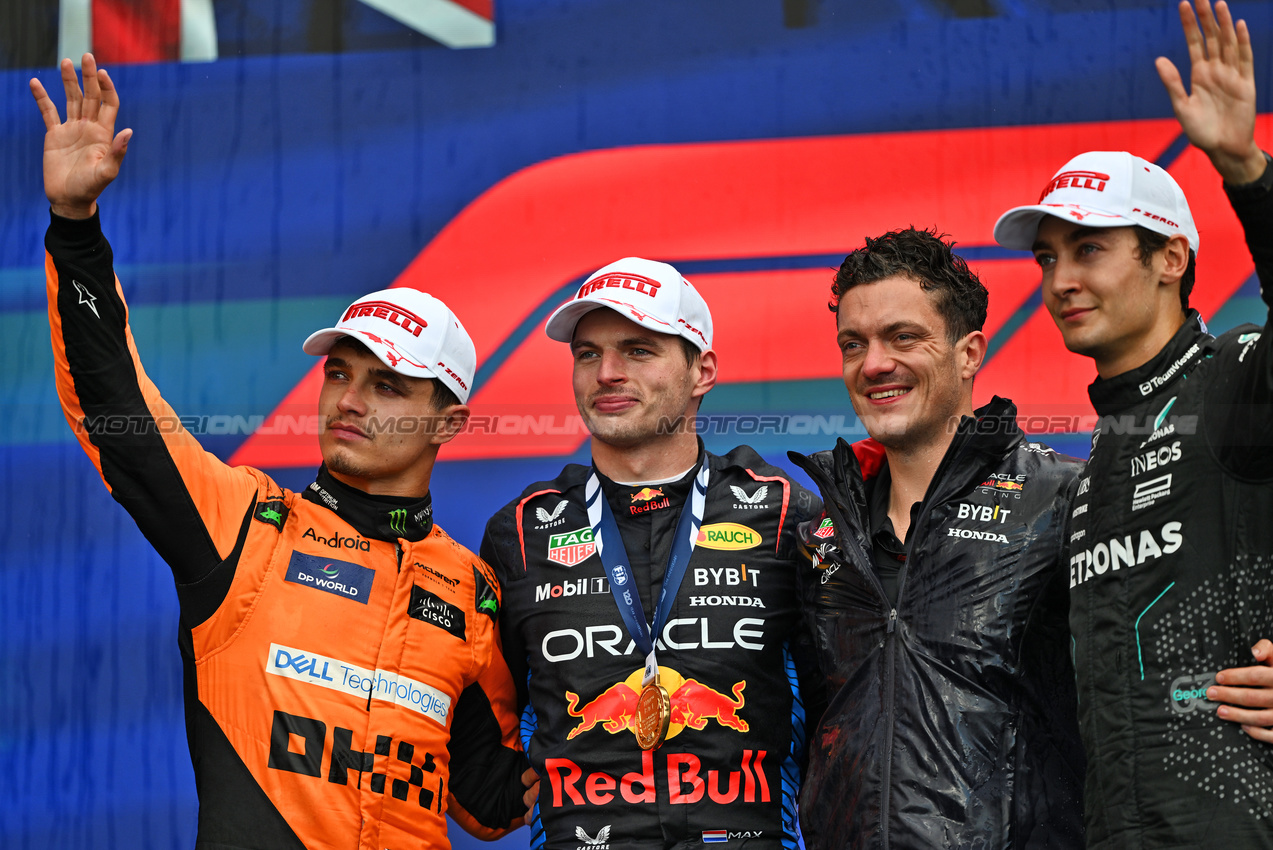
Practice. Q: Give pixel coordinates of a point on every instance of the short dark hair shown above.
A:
(690, 351)
(927, 258)
(443, 396)
(1149, 243)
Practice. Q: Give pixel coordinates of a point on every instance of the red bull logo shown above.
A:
(1003, 483)
(693, 704)
(687, 781)
(648, 499)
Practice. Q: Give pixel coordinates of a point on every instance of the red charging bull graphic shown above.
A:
(693, 704)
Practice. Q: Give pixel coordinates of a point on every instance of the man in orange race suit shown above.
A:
(344, 683)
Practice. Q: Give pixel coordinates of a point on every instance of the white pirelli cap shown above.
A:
(412, 333)
(1104, 189)
(652, 294)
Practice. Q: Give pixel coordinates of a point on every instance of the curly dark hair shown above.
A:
(927, 258)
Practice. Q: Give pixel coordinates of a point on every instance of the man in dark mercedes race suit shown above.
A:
(344, 684)
(938, 605)
(730, 768)
(1170, 565)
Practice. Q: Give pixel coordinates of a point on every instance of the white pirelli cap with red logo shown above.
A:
(412, 333)
(652, 294)
(1104, 189)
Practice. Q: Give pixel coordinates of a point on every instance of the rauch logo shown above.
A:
(727, 535)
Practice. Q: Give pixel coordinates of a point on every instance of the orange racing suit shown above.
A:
(344, 681)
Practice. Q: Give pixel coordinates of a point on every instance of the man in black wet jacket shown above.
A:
(938, 610)
(1170, 564)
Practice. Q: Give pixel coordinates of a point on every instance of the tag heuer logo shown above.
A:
(571, 547)
(826, 529)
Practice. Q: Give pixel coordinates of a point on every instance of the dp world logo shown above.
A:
(331, 571)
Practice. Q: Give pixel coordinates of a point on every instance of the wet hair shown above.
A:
(443, 396)
(927, 258)
(1149, 243)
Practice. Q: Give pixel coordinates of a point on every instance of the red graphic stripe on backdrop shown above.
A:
(130, 31)
(783, 197)
(484, 8)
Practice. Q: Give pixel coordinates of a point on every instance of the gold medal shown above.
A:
(653, 715)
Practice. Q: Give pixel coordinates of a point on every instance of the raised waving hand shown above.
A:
(82, 154)
(1218, 113)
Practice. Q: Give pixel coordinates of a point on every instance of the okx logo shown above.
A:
(395, 768)
(693, 704)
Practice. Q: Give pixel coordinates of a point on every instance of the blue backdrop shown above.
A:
(264, 191)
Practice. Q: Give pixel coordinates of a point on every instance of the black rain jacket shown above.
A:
(951, 719)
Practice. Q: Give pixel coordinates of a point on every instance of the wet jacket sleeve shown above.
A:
(1239, 402)
(487, 761)
(807, 514)
(189, 505)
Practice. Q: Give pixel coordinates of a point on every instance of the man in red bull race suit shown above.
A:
(344, 684)
(1170, 562)
(724, 622)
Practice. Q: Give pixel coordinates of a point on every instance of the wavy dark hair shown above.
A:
(927, 258)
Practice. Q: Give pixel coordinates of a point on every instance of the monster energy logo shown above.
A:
(398, 521)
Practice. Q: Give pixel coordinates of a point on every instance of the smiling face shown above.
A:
(908, 383)
(381, 430)
(632, 385)
(1107, 303)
